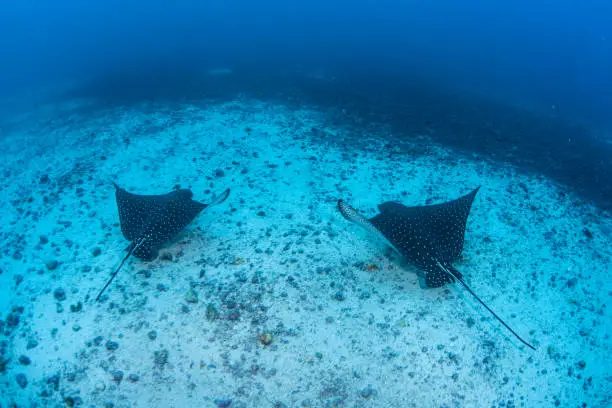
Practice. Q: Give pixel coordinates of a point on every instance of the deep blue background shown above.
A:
(539, 53)
(524, 82)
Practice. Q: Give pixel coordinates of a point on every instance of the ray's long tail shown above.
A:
(447, 270)
(134, 246)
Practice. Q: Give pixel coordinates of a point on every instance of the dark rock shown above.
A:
(219, 173)
(572, 282)
(367, 392)
(3, 363)
(223, 403)
(161, 358)
(261, 213)
(152, 335)
(54, 382)
(43, 239)
(44, 179)
(52, 264)
(211, 312)
(133, 378)
(22, 380)
(96, 251)
(24, 360)
(339, 296)
(12, 320)
(59, 294)
(266, 338)
(76, 308)
(32, 343)
(117, 376)
(112, 345)
(98, 340)
(191, 296)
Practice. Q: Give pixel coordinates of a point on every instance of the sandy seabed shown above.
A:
(272, 299)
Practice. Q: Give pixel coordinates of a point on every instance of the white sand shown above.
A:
(389, 343)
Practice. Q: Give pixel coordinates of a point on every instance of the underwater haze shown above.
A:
(305, 204)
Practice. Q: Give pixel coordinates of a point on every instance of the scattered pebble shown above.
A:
(265, 338)
(191, 296)
(3, 363)
(32, 343)
(96, 251)
(211, 312)
(22, 380)
(76, 308)
(24, 360)
(219, 173)
(52, 264)
(59, 294)
(117, 376)
(339, 296)
(161, 358)
(223, 403)
(112, 345)
(152, 335)
(367, 392)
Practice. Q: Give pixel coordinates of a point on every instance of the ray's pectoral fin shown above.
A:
(218, 199)
(353, 216)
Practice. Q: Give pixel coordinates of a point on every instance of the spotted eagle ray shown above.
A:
(430, 237)
(151, 221)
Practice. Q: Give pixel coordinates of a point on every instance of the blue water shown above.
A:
(514, 95)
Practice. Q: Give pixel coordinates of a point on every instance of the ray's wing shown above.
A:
(135, 211)
(175, 212)
(171, 217)
(353, 216)
(427, 232)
